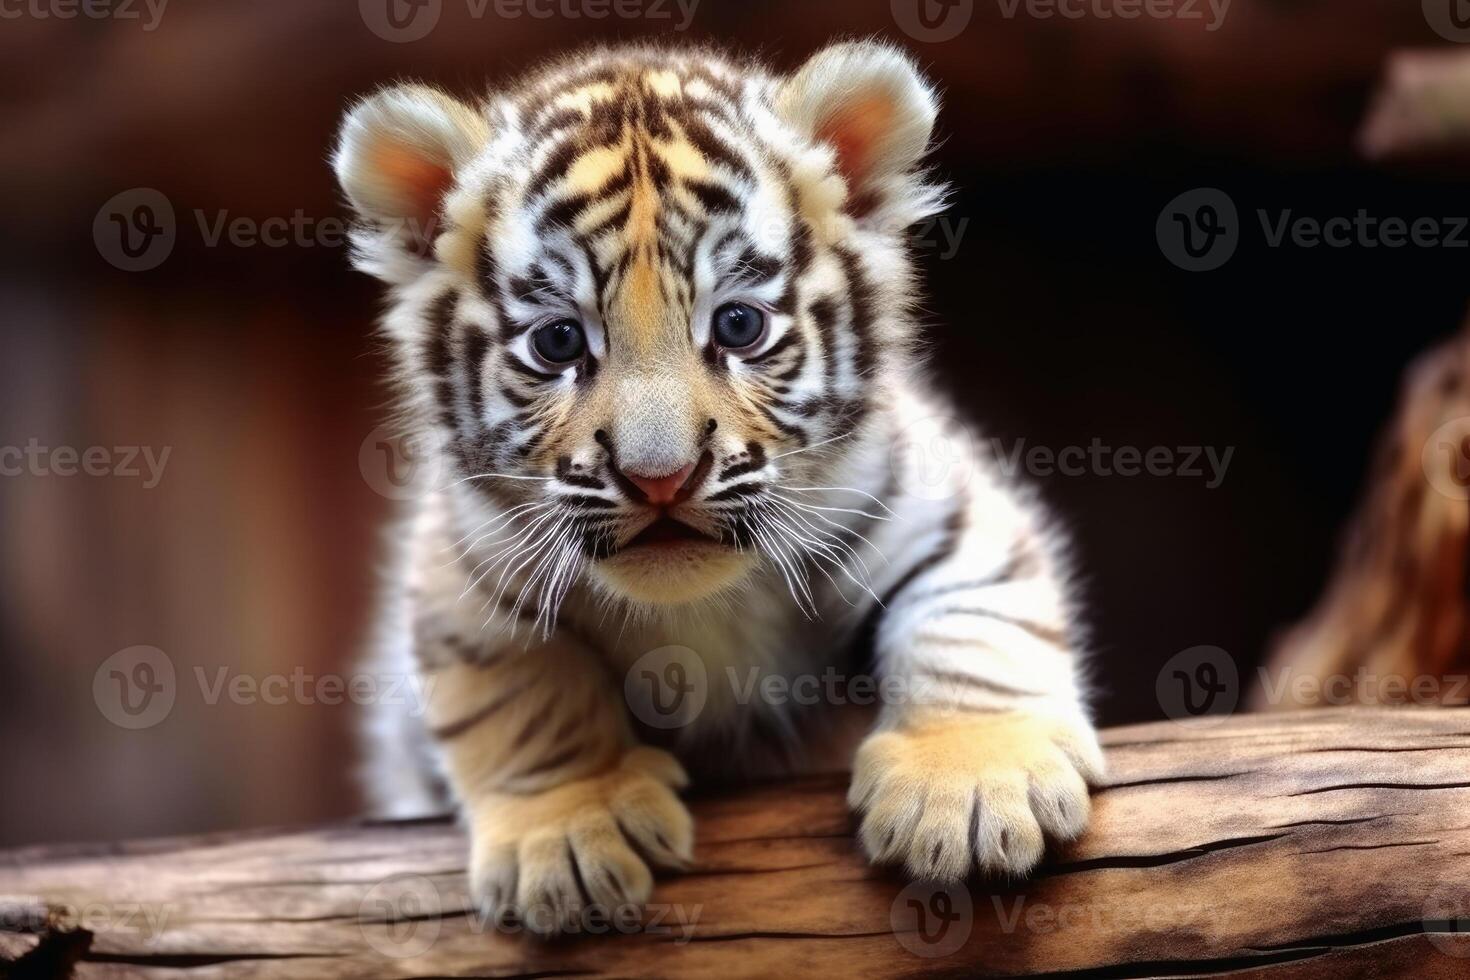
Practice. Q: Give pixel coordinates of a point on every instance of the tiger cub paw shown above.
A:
(547, 859)
(951, 794)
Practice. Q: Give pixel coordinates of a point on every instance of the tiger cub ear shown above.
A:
(397, 156)
(867, 101)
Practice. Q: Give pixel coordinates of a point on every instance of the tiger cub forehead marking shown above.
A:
(631, 173)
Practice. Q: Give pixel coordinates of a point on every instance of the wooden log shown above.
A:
(1329, 843)
(1392, 624)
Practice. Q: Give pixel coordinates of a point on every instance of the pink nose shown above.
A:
(662, 490)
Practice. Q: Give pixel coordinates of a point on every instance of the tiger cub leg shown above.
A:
(990, 751)
(564, 810)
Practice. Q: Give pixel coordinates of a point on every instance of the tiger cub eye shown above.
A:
(738, 325)
(560, 343)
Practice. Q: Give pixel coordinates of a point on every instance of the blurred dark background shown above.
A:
(1057, 319)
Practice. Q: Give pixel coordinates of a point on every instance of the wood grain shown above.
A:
(1328, 843)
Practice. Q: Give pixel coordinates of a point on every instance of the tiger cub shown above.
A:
(654, 310)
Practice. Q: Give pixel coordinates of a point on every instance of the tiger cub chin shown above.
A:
(654, 308)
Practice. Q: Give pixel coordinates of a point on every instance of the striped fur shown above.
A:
(636, 190)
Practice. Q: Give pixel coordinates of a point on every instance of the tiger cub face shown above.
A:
(631, 292)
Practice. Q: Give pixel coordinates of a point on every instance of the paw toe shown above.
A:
(1008, 840)
(611, 873)
(656, 822)
(493, 880)
(887, 827)
(548, 896)
(939, 849)
(1060, 802)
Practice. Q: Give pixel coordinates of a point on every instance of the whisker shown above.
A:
(813, 512)
(512, 547)
(498, 476)
(788, 570)
(825, 551)
(530, 552)
(843, 490)
(834, 510)
(828, 575)
(815, 445)
(496, 519)
(542, 566)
